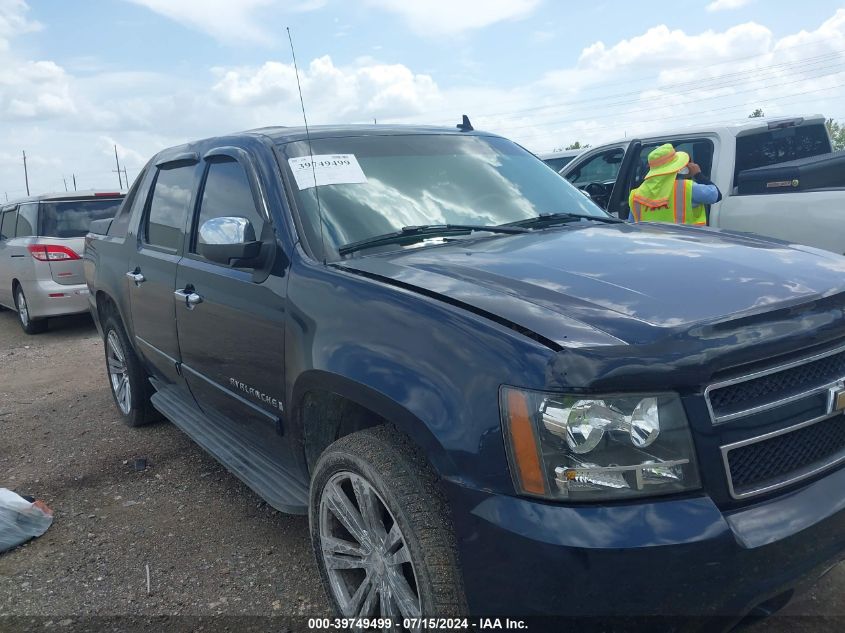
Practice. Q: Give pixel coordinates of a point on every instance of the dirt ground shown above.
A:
(212, 546)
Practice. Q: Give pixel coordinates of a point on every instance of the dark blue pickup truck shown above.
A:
(489, 396)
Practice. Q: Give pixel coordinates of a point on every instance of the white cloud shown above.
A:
(13, 21)
(723, 5)
(828, 38)
(662, 79)
(228, 20)
(125, 154)
(68, 117)
(447, 17)
(364, 91)
(662, 47)
(225, 20)
(33, 90)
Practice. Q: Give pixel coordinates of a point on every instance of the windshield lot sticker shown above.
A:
(330, 169)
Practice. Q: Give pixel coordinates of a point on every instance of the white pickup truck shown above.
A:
(807, 211)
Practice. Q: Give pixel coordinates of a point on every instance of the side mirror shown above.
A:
(230, 241)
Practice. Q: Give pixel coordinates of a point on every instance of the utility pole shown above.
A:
(7, 195)
(125, 177)
(117, 162)
(25, 173)
(74, 182)
(65, 179)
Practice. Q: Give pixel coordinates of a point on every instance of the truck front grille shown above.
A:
(737, 399)
(799, 432)
(763, 464)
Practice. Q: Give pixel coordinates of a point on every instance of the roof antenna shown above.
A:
(465, 125)
(310, 149)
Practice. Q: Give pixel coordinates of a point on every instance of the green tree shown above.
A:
(758, 112)
(837, 134)
(577, 145)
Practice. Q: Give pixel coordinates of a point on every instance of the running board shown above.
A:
(280, 488)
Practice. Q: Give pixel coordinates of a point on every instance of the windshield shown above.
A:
(412, 180)
(72, 218)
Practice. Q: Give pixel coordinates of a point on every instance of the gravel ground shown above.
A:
(212, 546)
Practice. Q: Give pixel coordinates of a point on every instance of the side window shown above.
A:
(227, 194)
(700, 151)
(601, 168)
(169, 208)
(7, 223)
(27, 220)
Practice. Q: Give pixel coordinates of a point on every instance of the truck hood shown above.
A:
(616, 284)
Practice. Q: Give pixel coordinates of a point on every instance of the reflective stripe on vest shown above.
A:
(679, 203)
(678, 208)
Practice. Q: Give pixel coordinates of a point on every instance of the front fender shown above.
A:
(430, 368)
(380, 404)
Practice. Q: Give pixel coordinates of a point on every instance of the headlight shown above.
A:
(592, 449)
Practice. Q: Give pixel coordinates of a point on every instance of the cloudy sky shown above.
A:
(77, 78)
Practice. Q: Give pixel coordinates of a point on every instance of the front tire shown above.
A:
(130, 387)
(381, 532)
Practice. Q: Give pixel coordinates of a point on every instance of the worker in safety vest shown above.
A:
(667, 193)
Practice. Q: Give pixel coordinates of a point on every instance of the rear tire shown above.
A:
(129, 383)
(28, 324)
(381, 531)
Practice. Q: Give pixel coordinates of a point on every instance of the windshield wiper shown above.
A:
(415, 233)
(550, 219)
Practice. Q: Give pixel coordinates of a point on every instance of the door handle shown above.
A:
(191, 298)
(137, 277)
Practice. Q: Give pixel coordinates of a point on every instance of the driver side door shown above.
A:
(230, 319)
(635, 167)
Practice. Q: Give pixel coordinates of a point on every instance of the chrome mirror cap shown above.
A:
(226, 230)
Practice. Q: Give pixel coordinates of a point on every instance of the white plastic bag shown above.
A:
(21, 520)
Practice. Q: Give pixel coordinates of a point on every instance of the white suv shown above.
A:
(41, 241)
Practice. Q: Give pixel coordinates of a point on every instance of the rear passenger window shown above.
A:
(7, 223)
(27, 220)
(227, 194)
(169, 207)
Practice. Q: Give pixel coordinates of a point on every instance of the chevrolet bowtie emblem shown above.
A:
(836, 402)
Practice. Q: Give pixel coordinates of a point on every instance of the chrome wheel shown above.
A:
(118, 372)
(367, 559)
(23, 311)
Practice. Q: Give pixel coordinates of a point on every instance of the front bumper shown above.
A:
(65, 300)
(677, 557)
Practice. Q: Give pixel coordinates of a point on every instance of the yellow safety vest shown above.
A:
(676, 207)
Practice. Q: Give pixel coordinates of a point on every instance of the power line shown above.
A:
(631, 81)
(740, 78)
(736, 78)
(715, 97)
(697, 115)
